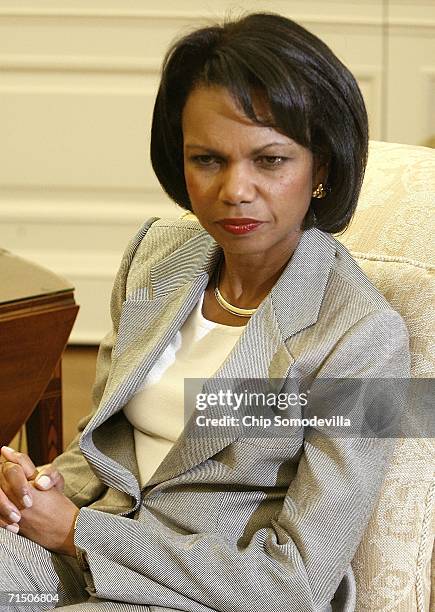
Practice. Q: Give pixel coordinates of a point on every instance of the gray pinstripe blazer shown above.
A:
(232, 523)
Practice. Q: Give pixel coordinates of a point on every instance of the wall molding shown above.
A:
(70, 63)
(74, 63)
(371, 75)
(82, 212)
(414, 23)
(409, 26)
(190, 16)
(368, 73)
(427, 73)
(81, 264)
(195, 17)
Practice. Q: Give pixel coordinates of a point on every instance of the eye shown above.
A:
(272, 161)
(204, 160)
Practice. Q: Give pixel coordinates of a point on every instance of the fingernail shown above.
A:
(13, 528)
(8, 448)
(14, 517)
(44, 481)
(27, 501)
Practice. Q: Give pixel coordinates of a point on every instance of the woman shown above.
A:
(261, 132)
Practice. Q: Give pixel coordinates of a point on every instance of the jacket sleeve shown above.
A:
(295, 563)
(82, 486)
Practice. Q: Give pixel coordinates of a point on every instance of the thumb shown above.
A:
(48, 477)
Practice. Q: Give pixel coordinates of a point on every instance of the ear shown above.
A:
(320, 170)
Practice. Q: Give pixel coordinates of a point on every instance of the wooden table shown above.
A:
(37, 312)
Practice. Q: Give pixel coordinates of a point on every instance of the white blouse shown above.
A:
(156, 411)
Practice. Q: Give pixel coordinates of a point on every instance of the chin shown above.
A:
(250, 246)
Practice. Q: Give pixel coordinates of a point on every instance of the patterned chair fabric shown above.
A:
(392, 238)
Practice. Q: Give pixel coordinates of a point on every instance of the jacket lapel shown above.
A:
(150, 318)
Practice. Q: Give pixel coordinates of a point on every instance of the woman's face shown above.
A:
(250, 186)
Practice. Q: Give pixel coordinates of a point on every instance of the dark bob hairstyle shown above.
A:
(312, 97)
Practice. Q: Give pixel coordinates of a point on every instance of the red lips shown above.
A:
(240, 225)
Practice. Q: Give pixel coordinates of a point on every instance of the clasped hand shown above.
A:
(32, 502)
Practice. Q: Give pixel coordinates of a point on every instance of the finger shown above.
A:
(15, 485)
(14, 527)
(21, 459)
(48, 477)
(9, 513)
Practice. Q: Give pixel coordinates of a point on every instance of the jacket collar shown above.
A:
(196, 258)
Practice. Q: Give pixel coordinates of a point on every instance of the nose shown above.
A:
(238, 185)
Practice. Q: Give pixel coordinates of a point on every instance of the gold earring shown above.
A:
(319, 192)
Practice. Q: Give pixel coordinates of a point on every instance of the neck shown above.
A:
(246, 281)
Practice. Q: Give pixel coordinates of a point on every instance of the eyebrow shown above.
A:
(255, 151)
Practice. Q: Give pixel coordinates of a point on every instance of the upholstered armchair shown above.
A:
(392, 238)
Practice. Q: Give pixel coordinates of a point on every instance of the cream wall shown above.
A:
(77, 83)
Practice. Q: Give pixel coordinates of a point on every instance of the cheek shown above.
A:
(198, 188)
(295, 188)
(301, 181)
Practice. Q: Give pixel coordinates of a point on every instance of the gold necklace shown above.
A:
(235, 310)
